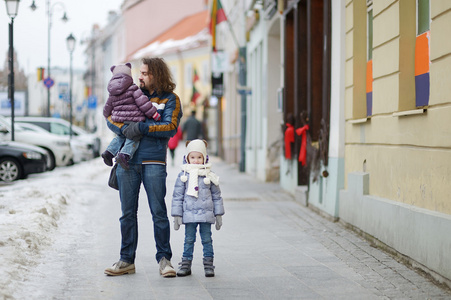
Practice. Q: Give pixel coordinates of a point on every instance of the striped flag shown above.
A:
(422, 66)
(40, 74)
(369, 87)
(217, 16)
(196, 93)
(195, 76)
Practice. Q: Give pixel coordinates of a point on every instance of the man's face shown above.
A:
(145, 78)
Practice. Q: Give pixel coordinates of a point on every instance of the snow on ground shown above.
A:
(31, 211)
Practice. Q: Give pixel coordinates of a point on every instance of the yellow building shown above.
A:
(398, 127)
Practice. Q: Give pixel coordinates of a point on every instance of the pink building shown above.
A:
(145, 20)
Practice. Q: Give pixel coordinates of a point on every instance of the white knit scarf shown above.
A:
(194, 171)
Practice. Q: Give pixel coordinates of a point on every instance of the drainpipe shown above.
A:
(242, 80)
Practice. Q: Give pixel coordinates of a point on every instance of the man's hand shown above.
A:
(132, 132)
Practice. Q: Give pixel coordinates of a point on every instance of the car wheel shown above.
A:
(10, 170)
(51, 163)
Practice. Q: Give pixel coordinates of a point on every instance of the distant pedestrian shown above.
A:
(192, 128)
(173, 143)
(197, 202)
(126, 103)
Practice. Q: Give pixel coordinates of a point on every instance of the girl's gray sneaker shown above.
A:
(185, 267)
(208, 267)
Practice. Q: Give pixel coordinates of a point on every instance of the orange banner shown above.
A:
(422, 53)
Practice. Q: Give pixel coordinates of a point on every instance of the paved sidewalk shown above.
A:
(270, 247)
(276, 248)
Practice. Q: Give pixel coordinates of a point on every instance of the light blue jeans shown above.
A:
(153, 178)
(129, 147)
(190, 238)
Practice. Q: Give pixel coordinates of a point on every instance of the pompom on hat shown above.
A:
(122, 69)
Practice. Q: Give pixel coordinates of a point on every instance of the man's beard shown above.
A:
(142, 85)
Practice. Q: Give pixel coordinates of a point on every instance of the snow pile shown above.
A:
(30, 211)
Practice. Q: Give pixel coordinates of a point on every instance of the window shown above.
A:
(174, 74)
(422, 62)
(369, 64)
(205, 70)
(359, 62)
(188, 75)
(423, 16)
(59, 129)
(369, 33)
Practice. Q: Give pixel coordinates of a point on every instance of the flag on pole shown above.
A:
(217, 16)
(195, 76)
(40, 73)
(196, 93)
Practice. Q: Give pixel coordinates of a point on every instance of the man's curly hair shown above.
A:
(163, 81)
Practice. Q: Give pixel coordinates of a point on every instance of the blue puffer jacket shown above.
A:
(201, 209)
(153, 146)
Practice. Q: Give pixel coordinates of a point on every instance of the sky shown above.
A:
(31, 30)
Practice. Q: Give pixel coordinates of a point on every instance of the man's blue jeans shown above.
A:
(153, 178)
(190, 238)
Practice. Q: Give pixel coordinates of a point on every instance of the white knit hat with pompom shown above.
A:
(196, 146)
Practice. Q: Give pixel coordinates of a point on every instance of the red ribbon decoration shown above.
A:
(303, 152)
(289, 138)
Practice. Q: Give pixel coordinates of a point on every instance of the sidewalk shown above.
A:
(270, 247)
(274, 248)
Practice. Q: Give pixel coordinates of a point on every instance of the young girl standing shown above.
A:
(197, 202)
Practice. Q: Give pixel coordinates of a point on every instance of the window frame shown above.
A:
(419, 30)
(369, 50)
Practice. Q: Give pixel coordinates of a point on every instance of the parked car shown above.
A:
(81, 150)
(58, 147)
(18, 160)
(62, 127)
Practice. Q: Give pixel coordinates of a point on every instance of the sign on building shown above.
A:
(217, 84)
(19, 104)
(219, 62)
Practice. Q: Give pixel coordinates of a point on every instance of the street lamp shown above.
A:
(12, 7)
(48, 81)
(70, 46)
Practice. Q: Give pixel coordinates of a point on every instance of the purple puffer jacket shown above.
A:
(126, 101)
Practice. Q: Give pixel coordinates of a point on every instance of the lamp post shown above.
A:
(70, 46)
(12, 8)
(48, 81)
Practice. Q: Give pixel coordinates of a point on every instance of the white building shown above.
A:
(59, 95)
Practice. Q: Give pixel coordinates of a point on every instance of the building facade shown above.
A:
(36, 104)
(364, 126)
(344, 102)
(398, 137)
(251, 114)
